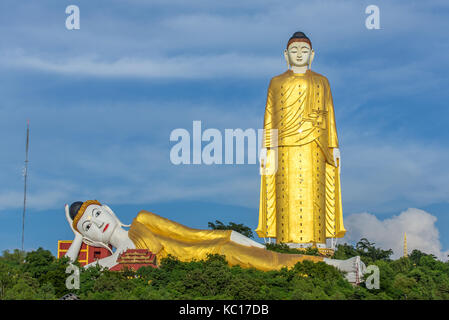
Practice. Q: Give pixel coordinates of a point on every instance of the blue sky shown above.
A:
(103, 100)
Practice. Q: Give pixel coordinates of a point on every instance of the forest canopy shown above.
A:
(39, 275)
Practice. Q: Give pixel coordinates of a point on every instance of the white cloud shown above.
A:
(422, 234)
(180, 67)
(205, 40)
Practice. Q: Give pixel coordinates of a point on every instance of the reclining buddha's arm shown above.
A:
(73, 251)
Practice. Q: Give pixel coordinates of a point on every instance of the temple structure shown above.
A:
(131, 258)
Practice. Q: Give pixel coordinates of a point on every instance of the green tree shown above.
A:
(38, 262)
(284, 248)
(38, 275)
(15, 258)
(345, 251)
(368, 251)
(241, 228)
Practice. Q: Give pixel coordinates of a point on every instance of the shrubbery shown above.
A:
(39, 275)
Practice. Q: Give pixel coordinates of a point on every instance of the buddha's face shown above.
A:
(97, 224)
(299, 54)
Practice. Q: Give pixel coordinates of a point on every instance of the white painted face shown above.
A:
(97, 224)
(299, 54)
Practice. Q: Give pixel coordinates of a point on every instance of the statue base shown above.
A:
(134, 259)
(326, 252)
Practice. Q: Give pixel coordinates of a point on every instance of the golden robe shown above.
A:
(163, 237)
(301, 201)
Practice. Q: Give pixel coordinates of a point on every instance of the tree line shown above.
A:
(39, 275)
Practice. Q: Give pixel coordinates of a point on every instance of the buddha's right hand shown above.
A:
(263, 157)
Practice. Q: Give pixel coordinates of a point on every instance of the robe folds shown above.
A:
(300, 194)
(164, 237)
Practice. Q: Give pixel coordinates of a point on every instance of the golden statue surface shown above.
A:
(95, 224)
(300, 197)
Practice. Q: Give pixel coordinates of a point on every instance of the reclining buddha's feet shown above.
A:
(353, 267)
(245, 241)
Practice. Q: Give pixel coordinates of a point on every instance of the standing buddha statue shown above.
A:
(300, 200)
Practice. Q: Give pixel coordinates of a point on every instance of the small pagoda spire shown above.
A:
(405, 245)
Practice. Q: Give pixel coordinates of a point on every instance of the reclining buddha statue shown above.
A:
(97, 225)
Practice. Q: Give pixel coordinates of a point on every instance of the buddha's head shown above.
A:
(94, 221)
(299, 52)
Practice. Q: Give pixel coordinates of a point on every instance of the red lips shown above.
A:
(105, 227)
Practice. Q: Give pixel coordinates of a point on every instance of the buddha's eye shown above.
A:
(87, 227)
(97, 213)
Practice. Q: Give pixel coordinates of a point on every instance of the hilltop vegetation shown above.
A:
(39, 275)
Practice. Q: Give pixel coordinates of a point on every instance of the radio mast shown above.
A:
(25, 174)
